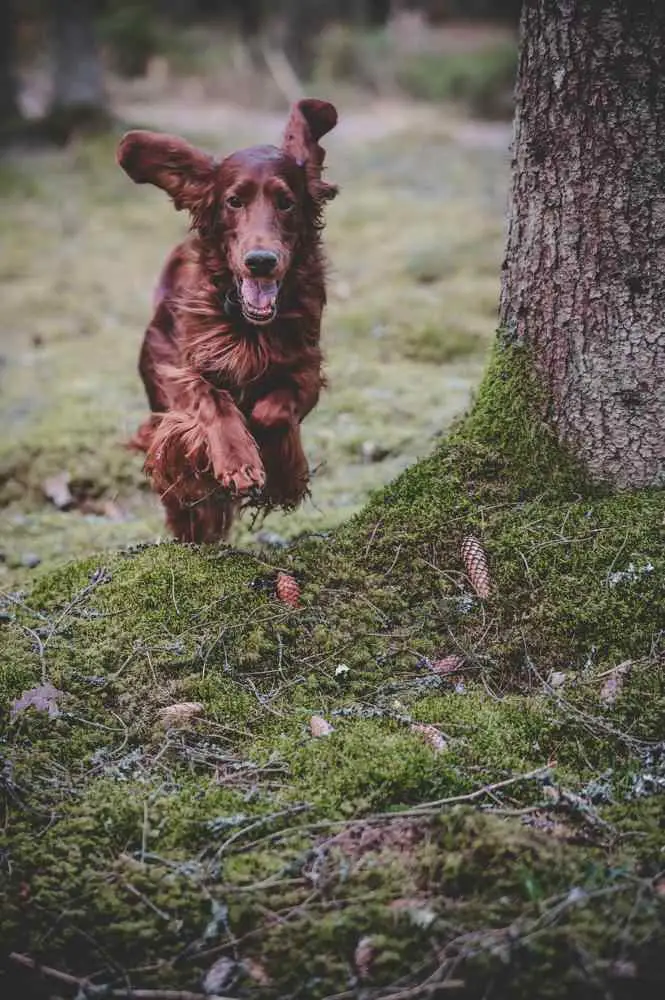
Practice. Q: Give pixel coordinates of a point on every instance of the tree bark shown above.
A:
(9, 110)
(584, 275)
(303, 22)
(79, 74)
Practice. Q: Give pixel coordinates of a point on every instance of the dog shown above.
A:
(231, 361)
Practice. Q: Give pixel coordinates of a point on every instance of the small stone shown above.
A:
(56, 489)
(373, 452)
(30, 560)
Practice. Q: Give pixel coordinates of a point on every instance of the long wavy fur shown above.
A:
(203, 368)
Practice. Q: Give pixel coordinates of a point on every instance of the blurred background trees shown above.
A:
(58, 58)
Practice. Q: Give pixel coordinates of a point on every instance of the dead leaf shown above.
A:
(613, 686)
(220, 974)
(180, 714)
(44, 698)
(396, 837)
(406, 903)
(56, 489)
(447, 664)
(417, 911)
(256, 972)
(623, 970)
(364, 956)
(102, 508)
(556, 828)
(431, 735)
(113, 511)
(320, 727)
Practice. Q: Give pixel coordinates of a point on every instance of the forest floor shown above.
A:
(393, 776)
(415, 243)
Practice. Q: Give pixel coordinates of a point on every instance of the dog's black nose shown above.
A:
(261, 263)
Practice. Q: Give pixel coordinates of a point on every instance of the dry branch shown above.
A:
(88, 989)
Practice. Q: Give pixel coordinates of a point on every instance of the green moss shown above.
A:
(243, 831)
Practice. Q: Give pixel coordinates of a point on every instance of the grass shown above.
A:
(76, 296)
(473, 68)
(482, 80)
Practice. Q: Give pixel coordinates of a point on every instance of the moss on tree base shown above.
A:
(514, 852)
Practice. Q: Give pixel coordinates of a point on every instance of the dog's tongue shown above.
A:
(259, 294)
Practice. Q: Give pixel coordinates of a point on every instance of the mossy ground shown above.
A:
(364, 862)
(138, 855)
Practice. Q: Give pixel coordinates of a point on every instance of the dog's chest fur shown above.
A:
(242, 360)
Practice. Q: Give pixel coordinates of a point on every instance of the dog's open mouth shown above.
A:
(258, 299)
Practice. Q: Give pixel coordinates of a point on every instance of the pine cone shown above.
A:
(287, 589)
(477, 569)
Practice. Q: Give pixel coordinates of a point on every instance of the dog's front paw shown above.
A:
(236, 462)
(242, 479)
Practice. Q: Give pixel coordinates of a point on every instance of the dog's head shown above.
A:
(258, 203)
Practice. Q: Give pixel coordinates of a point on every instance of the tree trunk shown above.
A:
(9, 111)
(79, 74)
(584, 274)
(303, 22)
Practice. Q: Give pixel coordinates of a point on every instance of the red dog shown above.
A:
(231, 360)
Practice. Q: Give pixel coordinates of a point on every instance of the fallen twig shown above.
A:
(88, 989)
(423, 809)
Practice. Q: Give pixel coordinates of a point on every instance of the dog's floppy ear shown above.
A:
(309, 120)
(170, 163)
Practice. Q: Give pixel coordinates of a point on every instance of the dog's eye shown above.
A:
(233, 201)
(284, 202)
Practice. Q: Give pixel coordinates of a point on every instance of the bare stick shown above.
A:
(89, 989)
